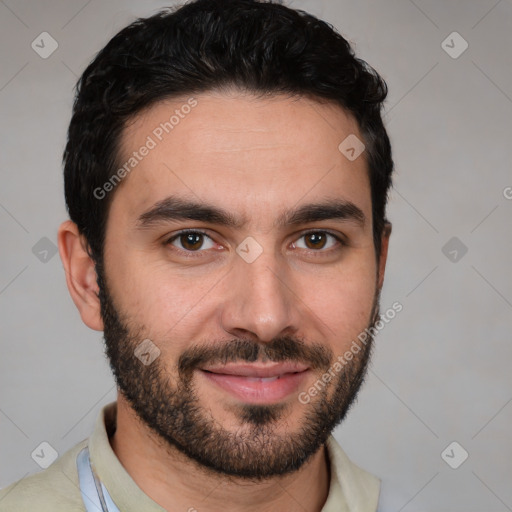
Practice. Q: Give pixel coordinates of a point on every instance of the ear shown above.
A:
(386, 233)
(80, 274)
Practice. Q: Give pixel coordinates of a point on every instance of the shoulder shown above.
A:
(54, 489)
(360, 488)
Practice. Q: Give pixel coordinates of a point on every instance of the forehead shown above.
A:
(251, 155)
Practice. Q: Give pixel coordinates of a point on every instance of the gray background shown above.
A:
(441, 368)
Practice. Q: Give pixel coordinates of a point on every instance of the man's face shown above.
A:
(245, 314)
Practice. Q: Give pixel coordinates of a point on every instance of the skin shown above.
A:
(253, 157)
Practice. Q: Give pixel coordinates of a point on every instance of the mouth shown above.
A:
(253, 383)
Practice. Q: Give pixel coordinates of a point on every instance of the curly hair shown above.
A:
(258, 46)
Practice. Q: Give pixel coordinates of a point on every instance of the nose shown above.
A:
(260, 302)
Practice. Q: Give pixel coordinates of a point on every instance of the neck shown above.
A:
(175, 482)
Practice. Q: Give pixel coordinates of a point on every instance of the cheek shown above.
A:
(166, 304)
(344, 302)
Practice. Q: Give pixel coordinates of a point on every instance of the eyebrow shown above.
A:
(175, 208)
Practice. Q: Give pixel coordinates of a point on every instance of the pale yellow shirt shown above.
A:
(56, 489)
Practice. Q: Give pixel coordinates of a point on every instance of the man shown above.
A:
(226, 177)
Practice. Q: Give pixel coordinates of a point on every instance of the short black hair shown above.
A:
(261, 47)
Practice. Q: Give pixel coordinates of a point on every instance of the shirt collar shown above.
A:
(351, 488)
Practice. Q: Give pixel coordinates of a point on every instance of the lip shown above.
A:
(256, 370)
(252, 383)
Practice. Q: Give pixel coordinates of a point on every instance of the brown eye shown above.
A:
(317, 240)
(191, 241)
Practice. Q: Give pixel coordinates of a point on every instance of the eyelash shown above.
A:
(195, 254)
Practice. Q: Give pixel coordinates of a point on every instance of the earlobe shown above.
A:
(386, 233)
(80, 272)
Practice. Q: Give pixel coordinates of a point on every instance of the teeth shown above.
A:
(262, 379)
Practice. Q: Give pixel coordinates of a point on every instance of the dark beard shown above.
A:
(166, 401)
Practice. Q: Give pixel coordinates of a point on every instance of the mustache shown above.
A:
(281, 349)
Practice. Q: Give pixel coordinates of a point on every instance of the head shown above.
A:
(217, 222)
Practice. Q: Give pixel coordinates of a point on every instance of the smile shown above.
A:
(257, 384)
